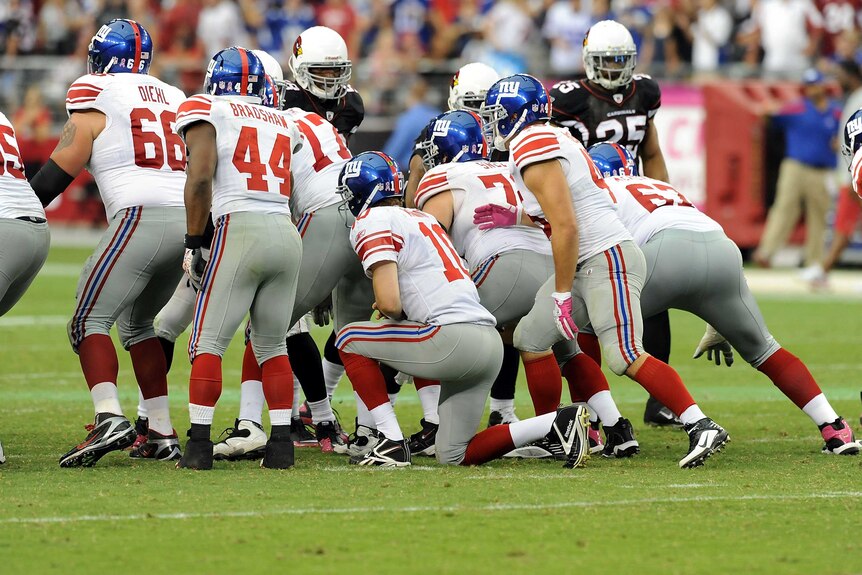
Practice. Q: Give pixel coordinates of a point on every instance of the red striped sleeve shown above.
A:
(430, 186)
(534, 146)
(378, 244)
(194, 106)
(82, 92)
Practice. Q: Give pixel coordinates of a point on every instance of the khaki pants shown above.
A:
(798, 186)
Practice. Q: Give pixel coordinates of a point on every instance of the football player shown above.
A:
(679, 241)
(613, 104)
(850, 148)
(508, 265)
(449, 338)
(239, 170)
(121, 126)
(599, 271)
(22, 225)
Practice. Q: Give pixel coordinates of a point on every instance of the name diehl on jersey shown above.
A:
(592, 114)
(345, 113)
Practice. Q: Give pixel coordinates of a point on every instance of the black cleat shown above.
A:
(301, 435)
(705, 437)
(197, 455)
(328, 436)
(658, 415)
(620, 440)
(570, 431)
(159, 447)
(279, 450)
(422, 442)
(109, 432)
(387, 453)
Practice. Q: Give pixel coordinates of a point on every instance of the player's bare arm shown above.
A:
(651, 155)
(547, 182)
(440, 206)
(417, 170)
(200, 171)
(387, 294)
(70, 156)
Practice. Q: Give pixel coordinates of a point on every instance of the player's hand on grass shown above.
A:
(492, 216)
(194, 264)
(715, 346)
(322, 312)
(563, 315)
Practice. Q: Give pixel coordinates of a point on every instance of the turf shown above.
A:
(771, 503)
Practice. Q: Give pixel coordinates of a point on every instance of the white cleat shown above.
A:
(245, 440)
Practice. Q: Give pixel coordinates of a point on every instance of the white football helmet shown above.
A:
(320, 64)
(469, 86)
(610, 55)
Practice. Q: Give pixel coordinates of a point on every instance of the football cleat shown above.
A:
(422, 442)
(705, 437)
(142, 427)
(328, 436)
(387, 453)
(545, 448)
(361, 442)
(108, 433)
(301, 435)
(159, 447)
(596, 444)
(305, 413)
(570, 430)
(501, 418)
(245, 440)
(658, 415)
(2, 456)
(198, 454)
(279, 449)
(839, 438)
(620, 439)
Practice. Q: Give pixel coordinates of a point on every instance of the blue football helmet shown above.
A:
(613, 160)
(852, 135)
(236, 71)
(513, 103)
(453, 137)
(369, 178)
(270, 94)
(120, 46)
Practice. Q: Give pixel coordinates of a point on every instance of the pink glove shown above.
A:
(492, 216)
(563, 315)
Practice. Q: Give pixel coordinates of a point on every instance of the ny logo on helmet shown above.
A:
(854, 127)
(352, 169)
(103, 32)
(508, 89)
(441, 128)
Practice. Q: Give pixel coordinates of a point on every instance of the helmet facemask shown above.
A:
(499, 126)
(326, 80)
(611, 69)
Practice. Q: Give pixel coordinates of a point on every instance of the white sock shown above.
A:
(691, 415)
(105, 398)
(142, 408)
(251, 400)
(160, 415)
(530, 430)
(502, 405)
(429, 397)
(363, 416)
(201, 414)
(386, 422)
(297, 398)
(321, 411)
(332, 373)
(279, 416)
(392, 398)
(602, 405)
(819, 410)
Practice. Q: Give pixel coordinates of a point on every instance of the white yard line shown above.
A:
(428, 508)
(31, 320)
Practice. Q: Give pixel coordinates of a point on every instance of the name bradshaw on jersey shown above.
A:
(138, 159)
(17, 198)
(345, 113)
(594, 115)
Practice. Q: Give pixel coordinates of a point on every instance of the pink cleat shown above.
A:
(596, 444)
(839, 438)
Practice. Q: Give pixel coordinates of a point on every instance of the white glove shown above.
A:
(713, 343)
(194, 264)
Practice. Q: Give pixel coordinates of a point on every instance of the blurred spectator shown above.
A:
(566, 24)
(710, 30)
(285, 20)
(17, 27)
(601, 10)
(32, 123)
(847, 46)
(179, 47)
(340, 16)
(507, 30)
(789, 33)
(810, 131)
(417, 113)
(838, 17)
(58, 26)
(411, 24)
(110, 10)
(221, 25)
(672, 39)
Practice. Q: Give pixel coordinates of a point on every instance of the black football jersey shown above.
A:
(593, 114)
(345, 113)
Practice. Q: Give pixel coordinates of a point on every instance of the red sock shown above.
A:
(151, 369)
(366, 378)
(790, 375)
(250, 369)
(585, 378)
(420, 383)
(545, 383)
(488, 445)
(589, 344)
(205, 381)
(663, 383)
(277, 380)
(98, 359)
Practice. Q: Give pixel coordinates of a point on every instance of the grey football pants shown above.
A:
(25, 249)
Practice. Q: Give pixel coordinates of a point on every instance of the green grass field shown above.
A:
(770, 503)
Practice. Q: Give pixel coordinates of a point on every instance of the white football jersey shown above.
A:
(17, 198)
(475, 184)
(138, 159)
(435, 287)
(255, 150)
(317, 165)
(599, 226)
(856, 172)
(648, 206)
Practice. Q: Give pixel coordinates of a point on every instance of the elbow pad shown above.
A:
(50, 182)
